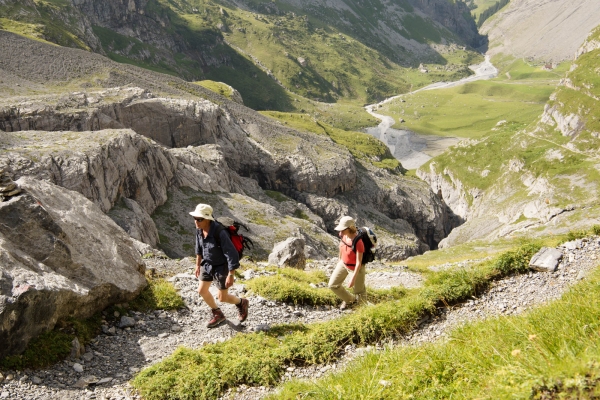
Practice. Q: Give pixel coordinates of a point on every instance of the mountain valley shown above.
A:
(117, 117)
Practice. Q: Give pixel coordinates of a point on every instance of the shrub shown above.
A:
(576, 234)
(53, 346)
(158, 295)
(284, 289)
(516, 261)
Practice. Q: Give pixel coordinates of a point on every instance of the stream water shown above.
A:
(413, 149)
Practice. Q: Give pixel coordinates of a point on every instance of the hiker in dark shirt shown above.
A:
(216, 260)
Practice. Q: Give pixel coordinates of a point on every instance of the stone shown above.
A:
(248, 274)
(87, 357)
(86, 381)
(36, 380)
(104, 380)
(8, 188)
(289, 253)
(75, 349)
(67, 259)
(546, 260)
(163, 335)
(176, 328)
(126, 322)
(78, 367)
(262, 328)
(572, 245)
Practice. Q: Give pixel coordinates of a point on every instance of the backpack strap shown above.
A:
(359, 235)
(218, 229)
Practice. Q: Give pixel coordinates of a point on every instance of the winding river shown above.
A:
(413, 149)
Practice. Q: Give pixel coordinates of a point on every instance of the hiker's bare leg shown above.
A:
(206, 295)
(225, 297)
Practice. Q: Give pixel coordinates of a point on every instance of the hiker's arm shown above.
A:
(198, 255)
(357, 268)
(198, 263)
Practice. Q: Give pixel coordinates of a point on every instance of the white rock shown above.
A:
(78, 367)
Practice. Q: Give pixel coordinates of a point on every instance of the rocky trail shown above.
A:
(133, 342)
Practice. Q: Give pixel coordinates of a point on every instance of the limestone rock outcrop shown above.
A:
(135, 221)
(282, 159)
(60, 256)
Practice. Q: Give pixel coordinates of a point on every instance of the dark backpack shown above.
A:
(369, 240)
(240, 242)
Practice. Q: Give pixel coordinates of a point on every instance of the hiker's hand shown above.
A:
(197, 271)
(229, 281)
(351, 284)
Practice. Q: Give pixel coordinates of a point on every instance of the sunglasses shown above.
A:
(199, 219)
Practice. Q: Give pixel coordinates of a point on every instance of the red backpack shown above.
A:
(240, 242)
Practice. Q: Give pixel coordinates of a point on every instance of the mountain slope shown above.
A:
(539, 180)
(340, 49)
(546, 30)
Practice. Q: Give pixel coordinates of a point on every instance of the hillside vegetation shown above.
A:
(269, 51)
(550, 352)
(520, 176)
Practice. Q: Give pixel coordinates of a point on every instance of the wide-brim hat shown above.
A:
(345, 222)
(203, 211)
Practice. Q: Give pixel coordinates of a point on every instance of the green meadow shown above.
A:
(516, 97)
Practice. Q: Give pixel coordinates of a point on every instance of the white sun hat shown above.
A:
(203, 211)
(345, 222)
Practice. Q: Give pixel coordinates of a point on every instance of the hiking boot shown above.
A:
(347, 306)
(243, 309)
(217, 318)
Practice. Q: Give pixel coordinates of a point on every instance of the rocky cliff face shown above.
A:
(290, 162)
(60, 256)
(122, 164)
(155, 25)
(453, 16)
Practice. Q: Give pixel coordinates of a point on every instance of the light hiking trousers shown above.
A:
(336, 283)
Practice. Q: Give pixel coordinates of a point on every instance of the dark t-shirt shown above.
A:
(213, 255)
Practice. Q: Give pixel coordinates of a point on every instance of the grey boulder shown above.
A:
(546, 259)
(289, 253)
(60, 256)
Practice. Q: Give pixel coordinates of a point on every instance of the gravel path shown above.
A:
(115, 356)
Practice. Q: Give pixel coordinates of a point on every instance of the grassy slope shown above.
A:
(567, 167)
(337, 65)
(42, 22)
(361, 145)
